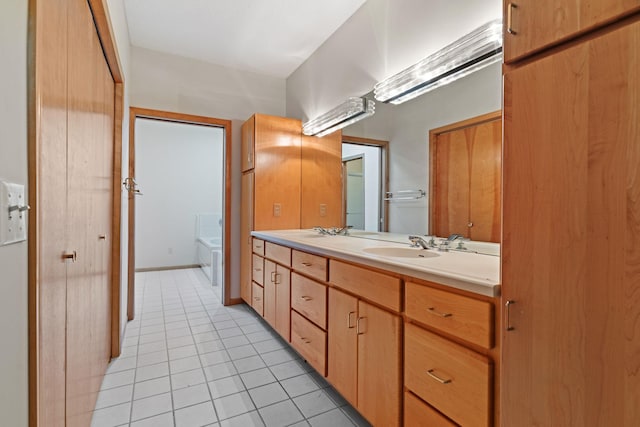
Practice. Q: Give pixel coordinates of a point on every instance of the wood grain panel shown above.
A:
(248, 147)
(379, 365)
(89, 165)
(283, 302)
(309, 298)
(571, 251)
(460, 381)
(310, 265)
(257, 299)
(258, 246)
(342, 355)
(538, 27)
(277, 172)
(321, 181)
(257, 269)
(417, 413)
(278, 253)
(465, 178)
(270, 292)
(371, 285)
(246, 225)
(310, 341)
(48, 201)
(464, 317)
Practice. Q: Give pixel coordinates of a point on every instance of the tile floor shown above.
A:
(189, 361)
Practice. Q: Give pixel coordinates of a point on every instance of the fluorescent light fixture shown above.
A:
(350, 111)
(476, 50)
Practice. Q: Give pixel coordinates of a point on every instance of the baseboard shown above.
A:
(235, 301)
(174, 267)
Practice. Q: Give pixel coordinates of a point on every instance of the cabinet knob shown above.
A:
(470, 224)
(73, 256)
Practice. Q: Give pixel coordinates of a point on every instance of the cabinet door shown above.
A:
(270, 292)
(246, 225)
(321, 181)
(342, 356)
(570, 252)
(379, 361)
(535, 26)
(277, 169)
(248, 144)
(283, 301)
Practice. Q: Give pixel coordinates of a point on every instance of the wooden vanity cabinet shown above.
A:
(531, 26)
(365, 356)
(277, 298)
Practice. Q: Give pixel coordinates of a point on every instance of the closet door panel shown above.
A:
(88, 300)
(47, 220)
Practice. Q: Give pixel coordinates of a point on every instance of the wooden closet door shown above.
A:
(90, 105)
(571, 239)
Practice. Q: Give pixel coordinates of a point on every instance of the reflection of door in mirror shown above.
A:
(465, 178)
(353, 171)
(363, 206)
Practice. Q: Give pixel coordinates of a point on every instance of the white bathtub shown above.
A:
(210, 258)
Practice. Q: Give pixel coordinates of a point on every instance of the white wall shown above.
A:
(371, 165)
(382, 38)
(179, 169)
(13, 258)
(173, 83)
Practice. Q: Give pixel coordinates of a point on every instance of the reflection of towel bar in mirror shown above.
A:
(405, 195)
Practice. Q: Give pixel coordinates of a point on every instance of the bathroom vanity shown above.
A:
(407, 335)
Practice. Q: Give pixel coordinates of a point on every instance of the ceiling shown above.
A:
(271, 37)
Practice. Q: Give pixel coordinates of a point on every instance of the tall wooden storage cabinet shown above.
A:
(71, 167)
(290, 181)
(571, 232)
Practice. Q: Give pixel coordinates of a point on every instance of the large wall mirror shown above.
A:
(407, 129)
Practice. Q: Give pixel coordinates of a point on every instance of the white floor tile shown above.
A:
(153, 358)
(221, 370)
(118, 379)
(150, 372)
(280, 414)
(268, 394)
(114, 396)
(233, 405)
(241, 352)
(163, 420)
(249, 364)
(182, 352)
(314, 403)
(186, 364)
(250, 419)
(196, 415)
(111, 416)
(190, 396)
(299, 385)
(214, 357)
(122, 364)
(151, 387)
(187, 379)
(152, 347)
(257, 378)
(226, 386)
(150, 406)
(333, 418)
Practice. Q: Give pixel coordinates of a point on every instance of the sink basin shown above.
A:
(396, 252)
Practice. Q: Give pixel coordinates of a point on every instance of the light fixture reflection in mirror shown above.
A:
(476, 50)
(352, 110)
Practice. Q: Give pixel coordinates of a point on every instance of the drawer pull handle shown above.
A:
(306, 298)
(258, 246)
(257, 269)
(349, 324)
(510, 8)
(433, 311)
(430, 372)
(358, 331)
(256, 298)
(307, 264)
(305, 340)
(275, 277)
(508, 305)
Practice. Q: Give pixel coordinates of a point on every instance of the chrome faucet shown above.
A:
(454, 237)
(417, 241)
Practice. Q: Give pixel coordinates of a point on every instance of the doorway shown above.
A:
(365, 183)
(179, 197)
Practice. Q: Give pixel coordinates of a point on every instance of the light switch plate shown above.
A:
(13, 213)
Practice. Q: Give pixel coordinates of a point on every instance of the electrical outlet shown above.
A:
(323, 209)
(13, 213)
(277, 209)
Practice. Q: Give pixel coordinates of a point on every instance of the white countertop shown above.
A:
(472, 272)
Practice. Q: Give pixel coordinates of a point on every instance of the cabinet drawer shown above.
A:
(371, 285)
(258, 246)
(464, 317)
(277, 253)
(309, 298)
(311, 265)
(418, 413)
(257, 299)
(257, 269)
(451, 378)
(310, 341)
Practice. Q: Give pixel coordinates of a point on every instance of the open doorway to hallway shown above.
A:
(179, 197)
